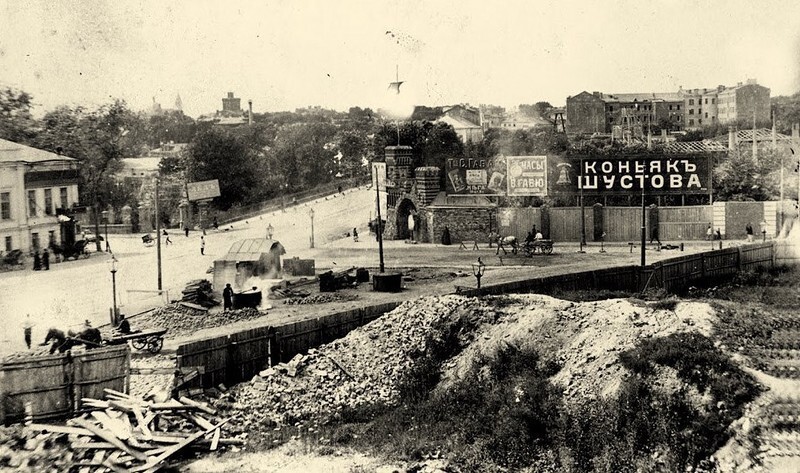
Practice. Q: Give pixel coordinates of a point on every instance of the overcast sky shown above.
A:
(285, 54)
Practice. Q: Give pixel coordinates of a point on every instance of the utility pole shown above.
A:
(158, 237)
(583, 215)
(644, 216)
(379, 226)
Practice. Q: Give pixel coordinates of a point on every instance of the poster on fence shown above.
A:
(527, 175)
(476, 176)
(656, 174)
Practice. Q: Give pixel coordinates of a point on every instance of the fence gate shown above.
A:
(95, 370)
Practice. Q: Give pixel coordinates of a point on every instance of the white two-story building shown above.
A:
(35, 186)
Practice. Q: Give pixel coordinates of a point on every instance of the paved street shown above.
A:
(74, 291)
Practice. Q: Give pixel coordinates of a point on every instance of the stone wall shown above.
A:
(463, 223)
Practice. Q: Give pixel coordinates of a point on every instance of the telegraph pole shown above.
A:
(158, 238)
(644, 216)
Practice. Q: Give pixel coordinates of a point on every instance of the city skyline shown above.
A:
(287, 55)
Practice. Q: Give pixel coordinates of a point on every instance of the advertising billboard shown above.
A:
(527, 175)
(657, 174)
(203, 190)
(476, 176)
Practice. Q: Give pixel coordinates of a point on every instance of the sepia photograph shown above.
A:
(300, 236)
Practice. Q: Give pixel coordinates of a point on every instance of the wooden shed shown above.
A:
(249, 258)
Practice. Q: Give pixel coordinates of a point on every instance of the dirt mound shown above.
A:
(366, 366)
(583, 338)
(180, 320)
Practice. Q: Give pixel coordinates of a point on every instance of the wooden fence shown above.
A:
(237, 357)
(46, 387)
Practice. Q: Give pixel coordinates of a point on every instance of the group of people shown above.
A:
(41, 261)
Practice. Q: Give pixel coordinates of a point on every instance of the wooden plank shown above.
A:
(154, 464)
(203, 407)
(59, 429)
(215, 439)
(91, 445)
(114, 467)
(199, 421)
(109, 437)
(113, 426)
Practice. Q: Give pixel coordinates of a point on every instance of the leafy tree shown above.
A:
(742, 177)
(16, 122)
(787, 112)
(99, 139)
(219, 154)
(172, 125)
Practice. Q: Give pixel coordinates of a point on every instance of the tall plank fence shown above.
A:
(238, 357)
(47, 387)
(230, 359)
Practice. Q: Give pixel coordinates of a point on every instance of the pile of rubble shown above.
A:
(180, 320)
(322, 298)
(362, 368)
(120, 433)
(366, 366)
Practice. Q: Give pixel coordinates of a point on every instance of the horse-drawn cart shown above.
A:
(150, 340)
(543, 247)
(148, 240)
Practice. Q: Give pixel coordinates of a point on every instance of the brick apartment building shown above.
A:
(598, 112)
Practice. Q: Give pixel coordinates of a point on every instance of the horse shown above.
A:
(90, 337)
(503, 242)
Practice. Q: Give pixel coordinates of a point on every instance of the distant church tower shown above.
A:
(178, 103)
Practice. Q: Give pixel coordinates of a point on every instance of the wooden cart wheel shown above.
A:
(548, 250)
(155, 344)
(139, 343)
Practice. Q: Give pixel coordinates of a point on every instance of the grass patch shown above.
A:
(505, 415)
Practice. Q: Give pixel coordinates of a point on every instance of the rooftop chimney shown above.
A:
(250, 112)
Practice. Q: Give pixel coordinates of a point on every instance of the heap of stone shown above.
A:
(322, 298)
(180, 320)
(362, 368)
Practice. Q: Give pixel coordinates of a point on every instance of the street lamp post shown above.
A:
(477, 270)
(311, 213)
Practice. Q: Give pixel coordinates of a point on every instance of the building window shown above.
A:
(706, 114)
(9, 245)
(691, 101)
(713, 101)
(679, 107)
(32, 203)
(610, 109)
(691, 122)
(706, 101)
(679, 118)
(699, 121)
(48, 201)
(64, 201)
(35, 241)
(691, 111)
(51, 238)
(5, 206)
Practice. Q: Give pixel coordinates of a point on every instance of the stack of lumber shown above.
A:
(199, 293)
(124, 433)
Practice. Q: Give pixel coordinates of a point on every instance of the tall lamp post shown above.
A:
(311, 213)
(477, 270)
(114, 289)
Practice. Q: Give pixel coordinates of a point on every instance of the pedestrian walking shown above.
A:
(709, 233)
(202, 245)
(37, 261)
(186, 229)
(46, 259)
(749, 230)
(764, 230)
(227, 298)
(216, 224)
(167, 241)
(27, 329)
(355, 235)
